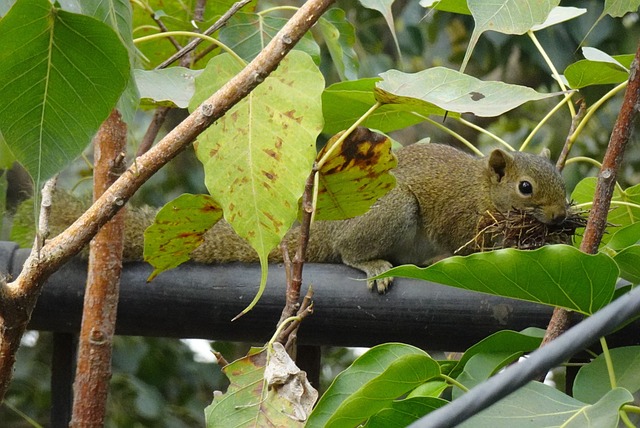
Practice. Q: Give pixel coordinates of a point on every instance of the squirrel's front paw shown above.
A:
(374, 268)
(380, 285)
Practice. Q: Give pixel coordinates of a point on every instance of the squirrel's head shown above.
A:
(527, 182)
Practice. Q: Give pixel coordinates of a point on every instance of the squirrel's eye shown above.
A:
(525, 188)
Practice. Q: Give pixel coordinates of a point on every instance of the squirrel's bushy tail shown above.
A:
(221, 243)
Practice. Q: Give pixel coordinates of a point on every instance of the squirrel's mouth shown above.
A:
(524, 229)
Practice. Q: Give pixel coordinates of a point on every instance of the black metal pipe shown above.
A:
(199, 301)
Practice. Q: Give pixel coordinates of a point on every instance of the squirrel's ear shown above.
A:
(499, 161)
(546, 153)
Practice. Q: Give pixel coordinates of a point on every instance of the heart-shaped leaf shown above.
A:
(178, 229)
(556, 275)
(544, 406)
(257, 157)
(592, 381)
(371, 383)
(266, 390)
(60, 76)
(354, 175)
(507, 17)
(453, 91)
(344, 103)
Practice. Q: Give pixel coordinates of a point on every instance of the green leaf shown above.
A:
(253, 400)
(384, 7)
(627, 261)
(258, 156)
(538, 405)
(589, 72)
(248, 33)
(625, 237)
(556, 275)
(619, 215)
(453, 91)
(593, 54)
(619, 8)
(616, 9)
(558, 15)
(339, 35)
(503, 342)
(118, 15)
(178, 229)
(455, 6)
(507, 17)
(355, 175)
(592, 381)
(344, 103)
(6, 157)
(433, 388)
(403, 412)
(171, 87)
(60, 76)
(481, 367)
(371, 383)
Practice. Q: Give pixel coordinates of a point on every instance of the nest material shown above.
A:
(520, 229)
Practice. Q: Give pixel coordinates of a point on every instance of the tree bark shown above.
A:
(93, 370)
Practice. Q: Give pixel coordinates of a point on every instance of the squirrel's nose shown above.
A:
(556, 215)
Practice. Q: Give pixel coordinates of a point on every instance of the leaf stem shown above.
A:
(609, 362)
(485, 132)
(631, 408)
(591, 110)
(555, 73)
(346, 133)
(23, 415)
(584, 159)
(619, 203)
(452, 133)
(544, 120)
(192, 34)
(454, 382)
(625, 419)
(281, 327)
(277, 8)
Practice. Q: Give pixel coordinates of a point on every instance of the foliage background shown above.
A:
(156, 382)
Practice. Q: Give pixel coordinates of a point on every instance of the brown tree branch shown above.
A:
(93, 371)
(18, 298)
(606, 183)
(152, 131)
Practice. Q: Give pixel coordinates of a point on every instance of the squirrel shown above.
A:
(431, 213)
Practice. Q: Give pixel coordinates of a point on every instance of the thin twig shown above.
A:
(198, 11)
(220, 360)
(290, 334)
(568, 142)
(293, 286)
(215, 27)
(152, 131)
(164, 29)
(45, 211)
(606, 183)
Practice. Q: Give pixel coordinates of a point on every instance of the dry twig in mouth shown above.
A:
(520, 229)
